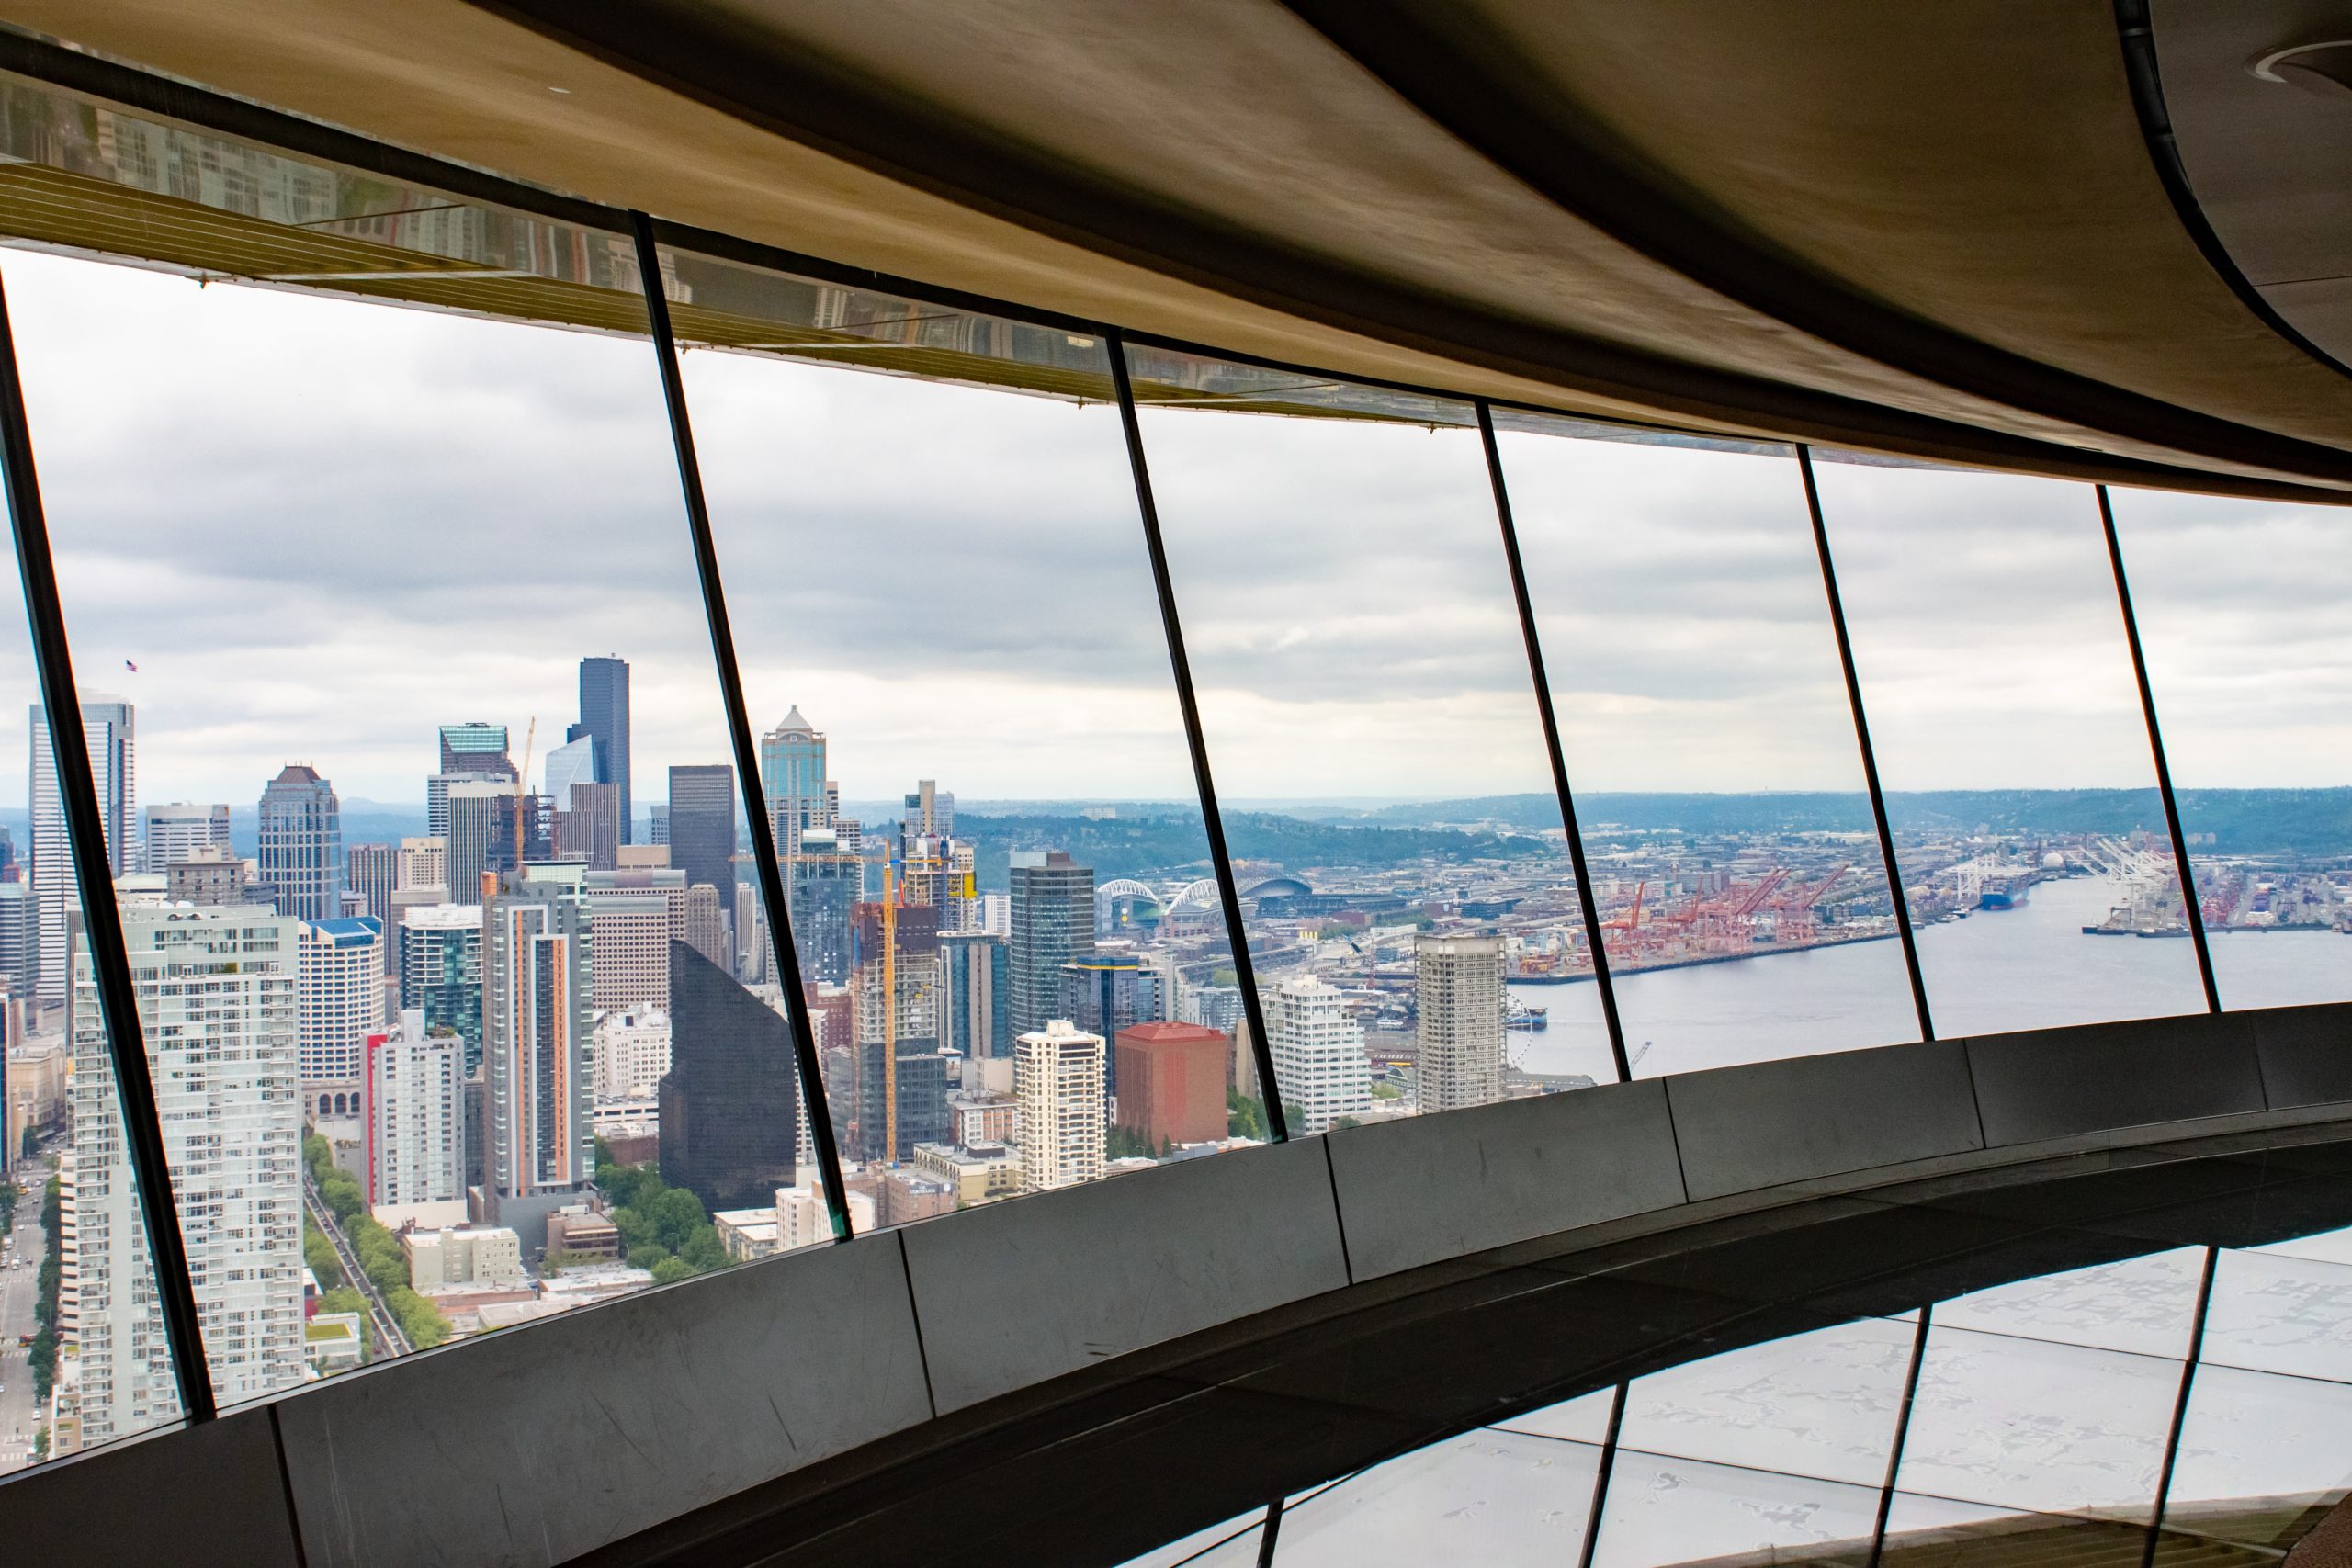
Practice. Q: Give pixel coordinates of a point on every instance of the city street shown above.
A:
(19, 1293)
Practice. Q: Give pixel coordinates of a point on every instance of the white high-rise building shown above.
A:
(1318, 1054)
(423, 863)
(108, 725)
(341, 991)
(218, 1007)
(174, 831)
(417, 1114)
(1057, 1081)
(1460, 999)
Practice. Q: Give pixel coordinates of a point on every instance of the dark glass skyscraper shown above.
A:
(730, 1101)
(821, 888)
(1053, 922)
(603, 717)
(701, 824)
(301, 844)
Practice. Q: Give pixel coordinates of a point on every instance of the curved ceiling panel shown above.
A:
(2260, 113)
(1943, 239)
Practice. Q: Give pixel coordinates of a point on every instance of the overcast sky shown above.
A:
(320, 528)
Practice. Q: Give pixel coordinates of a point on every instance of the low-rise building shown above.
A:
(975, 1173)
(746, 1233)
(463, 1255)
(984, 1118)
(906, 1196)
(580, 1232)
(333, 1342)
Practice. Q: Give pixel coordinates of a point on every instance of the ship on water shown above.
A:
(1526, 1017)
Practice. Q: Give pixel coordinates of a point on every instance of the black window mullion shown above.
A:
(1901, 1433)
(1870, 757)
(1212, 819)
(739, 725)
(2190, 907)
(101, 920)
(1552, 746)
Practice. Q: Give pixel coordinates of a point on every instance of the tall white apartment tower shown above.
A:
(340, 971)
(538, 953)
(1320, 1064)
(1057, 1081)
(1461, 1030)
(416, 1085)
(108, 725)
(218, 1008)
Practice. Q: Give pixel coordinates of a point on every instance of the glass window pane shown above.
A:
(77, 1284)
(402, 606)
(1663, 1510)
(1488, 1497)
(2258, 1451)
(2012, 746)
(1821, 1404)
(1719, 786)
(2024, 1424)
(1233, 1544)
(2241, 606)
(972, 750)
(1365, 690)
(2146, 1305)
(2281, 1314)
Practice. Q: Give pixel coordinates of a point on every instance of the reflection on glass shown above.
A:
(2275, 1314)
(1821, 1404)
(1949, 1534)
(1364, 691)
(2023, 1424)
(971, 750)
(2258, 1452)
(2012, 747)
(2241, 610)
(1719, 787)
(78, 1285)
(1488, 1497)
(456, 991)
(2146, 1305)
(1662, 1509)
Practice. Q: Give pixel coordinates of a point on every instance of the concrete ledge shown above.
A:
(2059, 1083)
(208, 1494)
(1769, 1123)
(531, 1446)
(1434, 1187)
(2306, 1055)
(1019, 1291)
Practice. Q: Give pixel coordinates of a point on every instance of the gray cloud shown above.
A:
(322, 527)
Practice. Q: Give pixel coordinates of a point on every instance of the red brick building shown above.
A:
(1171, 1082)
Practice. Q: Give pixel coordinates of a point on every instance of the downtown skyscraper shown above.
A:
(800, 799)
(702, 825)
(301, 844)
(1053, 922)
(604, 719)
(109, 726)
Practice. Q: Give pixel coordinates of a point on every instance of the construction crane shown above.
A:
(522, 791)
(890, 1011)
